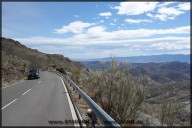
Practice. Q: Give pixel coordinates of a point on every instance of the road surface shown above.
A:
(39, 102)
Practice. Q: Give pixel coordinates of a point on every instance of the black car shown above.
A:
(33, 74)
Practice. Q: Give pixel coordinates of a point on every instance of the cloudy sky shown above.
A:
(85, 30)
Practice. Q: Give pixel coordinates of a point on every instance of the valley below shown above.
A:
(167, 89)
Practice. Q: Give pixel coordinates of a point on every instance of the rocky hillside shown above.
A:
(158, 73)
(17, 59)
(162, 72)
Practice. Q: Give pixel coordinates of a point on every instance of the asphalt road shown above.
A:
(38, 102)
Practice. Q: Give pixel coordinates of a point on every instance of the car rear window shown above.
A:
(32, 71)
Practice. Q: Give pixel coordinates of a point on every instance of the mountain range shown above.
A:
(158, 73)
(147, 59)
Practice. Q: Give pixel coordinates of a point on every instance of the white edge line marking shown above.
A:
(8, 104)
(12, 84)
(70, 103)
(26, 92)
(39, 82)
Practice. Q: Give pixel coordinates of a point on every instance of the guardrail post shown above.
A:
(92, 117)
(68, 81)
(93, 120)
(79, 96)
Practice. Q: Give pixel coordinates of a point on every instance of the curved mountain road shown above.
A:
(38, 102)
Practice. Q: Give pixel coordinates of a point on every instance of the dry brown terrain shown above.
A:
(17, 59)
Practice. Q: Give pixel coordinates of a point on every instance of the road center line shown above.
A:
(8, 104)
(74, 116)
(26, 92)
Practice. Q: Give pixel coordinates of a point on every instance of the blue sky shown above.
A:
(87, 30)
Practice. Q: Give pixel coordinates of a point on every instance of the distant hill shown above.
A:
(147, 59)
(17, 59)
(162, 72)
(158, 73)
(154, 58)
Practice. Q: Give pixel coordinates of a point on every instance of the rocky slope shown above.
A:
(17, 59)
(162, 72)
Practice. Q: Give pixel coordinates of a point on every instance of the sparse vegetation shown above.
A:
(119, 94)
(75, 74)
(123, 96)
(13, 68)
(168, 111)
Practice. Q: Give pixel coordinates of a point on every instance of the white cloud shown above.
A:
(137, 21)
(165, 4)
(149, 15)
(135, 8)
(163, 17)
(170, 45)
(184, 6)
(119, 43)
(74, 27)
(125, 47)
(99, 35)
(147, 32)
(105, 14)
(165, 13)
(127, 42)
(96, 29)
(169, 11)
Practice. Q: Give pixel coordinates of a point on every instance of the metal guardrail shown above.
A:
(100, 113)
